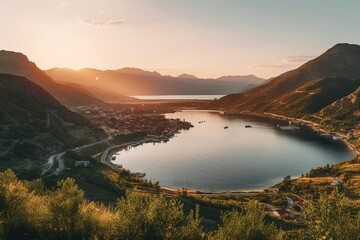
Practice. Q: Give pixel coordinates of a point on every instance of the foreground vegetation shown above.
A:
(28, 210)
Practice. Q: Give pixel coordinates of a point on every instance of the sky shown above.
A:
(206, 38)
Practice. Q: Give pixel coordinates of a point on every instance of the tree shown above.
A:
(330, 218)
(285, 185)
(65, 208)
(13, 199)
(154, 217)
(247, 224)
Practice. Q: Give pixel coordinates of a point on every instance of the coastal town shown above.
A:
(117, 119)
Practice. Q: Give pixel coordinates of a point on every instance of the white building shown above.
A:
(336, 182)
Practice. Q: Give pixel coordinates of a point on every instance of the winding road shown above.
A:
(59, 157)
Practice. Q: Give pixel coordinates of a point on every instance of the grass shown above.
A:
(93, 179)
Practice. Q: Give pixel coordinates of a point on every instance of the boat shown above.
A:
(290, 127)
(326, 135)
(337, 138)
(248, 126)
(226, 127)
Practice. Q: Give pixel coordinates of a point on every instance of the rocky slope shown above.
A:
(34, 124)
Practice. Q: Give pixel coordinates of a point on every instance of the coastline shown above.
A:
(314, 126)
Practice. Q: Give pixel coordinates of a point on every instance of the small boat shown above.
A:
(326, 135)
(337, 138)
(226, 127)
(290, 127)
(248, 126)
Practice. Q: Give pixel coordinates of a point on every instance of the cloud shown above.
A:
(297, 59)
(109, 23)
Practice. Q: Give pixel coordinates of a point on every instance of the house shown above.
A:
(82, 163)
(336, 182)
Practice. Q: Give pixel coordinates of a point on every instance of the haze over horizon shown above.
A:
(205, 38)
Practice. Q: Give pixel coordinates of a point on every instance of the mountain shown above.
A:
(132, 81)
(292, 89)
(187, 76)
(102, 94)
(18, 64)
(34, 124)
(344, 109)
(313, 96)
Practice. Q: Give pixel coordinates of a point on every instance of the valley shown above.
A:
(41, 138)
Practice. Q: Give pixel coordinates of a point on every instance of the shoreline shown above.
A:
(269, 116)
(202, 192)
(315, 127)
(312, 125)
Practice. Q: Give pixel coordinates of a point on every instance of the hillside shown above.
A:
(289, 89)
(343, 114)
(34, 124)
(313, 96)
(344, 108)
(132, 81)
(18, 64)
(101, 94)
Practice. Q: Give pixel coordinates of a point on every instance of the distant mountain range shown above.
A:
(133, 81)
(67, 93)
(309, 89)
(34, 124)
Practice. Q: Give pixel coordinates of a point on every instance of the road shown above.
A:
(59, 157)
(104, 156)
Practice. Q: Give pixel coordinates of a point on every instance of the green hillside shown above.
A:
(34, 124)
(313, 96)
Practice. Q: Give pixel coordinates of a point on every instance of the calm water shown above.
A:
(209, 157)
(172, 97)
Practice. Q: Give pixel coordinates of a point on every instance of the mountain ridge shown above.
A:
(141, 82)
(342, 60)
(15, 63)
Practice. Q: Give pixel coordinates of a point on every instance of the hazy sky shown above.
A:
(207, 38)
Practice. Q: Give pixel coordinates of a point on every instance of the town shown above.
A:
(117, 119)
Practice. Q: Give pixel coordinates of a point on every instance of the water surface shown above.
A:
(209, 157)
